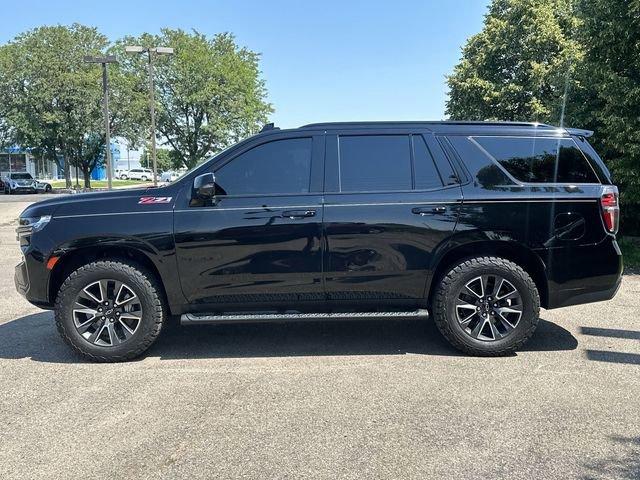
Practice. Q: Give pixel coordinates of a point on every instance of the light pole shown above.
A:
(152, 102)
(105, 106)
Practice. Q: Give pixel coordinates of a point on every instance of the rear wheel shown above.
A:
(486, 306)
(109, 311)
(123, 177)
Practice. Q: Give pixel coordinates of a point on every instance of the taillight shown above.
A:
(610, 208)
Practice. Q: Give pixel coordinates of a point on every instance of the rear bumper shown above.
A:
(585, 274)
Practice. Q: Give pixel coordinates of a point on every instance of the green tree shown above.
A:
(608, 100)
(52, 100)
(209, 93)
(520, 65)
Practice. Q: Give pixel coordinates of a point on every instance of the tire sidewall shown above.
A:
(527, 321)
(101, 271)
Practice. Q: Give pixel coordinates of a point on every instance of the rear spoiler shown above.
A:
(579, 132)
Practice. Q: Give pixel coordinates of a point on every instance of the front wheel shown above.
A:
(486, 306)
(110, 311)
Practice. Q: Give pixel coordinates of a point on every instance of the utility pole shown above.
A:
(152, 109)
(105, 108)
(152, 102)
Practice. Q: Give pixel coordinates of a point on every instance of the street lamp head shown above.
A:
(164, 50)
(134, 49)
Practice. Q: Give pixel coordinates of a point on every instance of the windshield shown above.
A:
(21, 176)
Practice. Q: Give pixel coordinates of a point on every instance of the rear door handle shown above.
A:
(298, 214)
(429, 210)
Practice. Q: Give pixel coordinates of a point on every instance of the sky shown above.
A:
(321, 60)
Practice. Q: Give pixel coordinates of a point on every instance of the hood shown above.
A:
(114, 201)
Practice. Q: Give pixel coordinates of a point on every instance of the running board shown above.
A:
(203, 318)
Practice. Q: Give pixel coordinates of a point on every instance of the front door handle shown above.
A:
(429, 210)
(292, 214)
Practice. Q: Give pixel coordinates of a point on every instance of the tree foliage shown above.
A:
(517, 67)
(608, 101)
(209, 93)
(51, 100)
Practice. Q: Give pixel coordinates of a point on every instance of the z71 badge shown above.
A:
(150, 200)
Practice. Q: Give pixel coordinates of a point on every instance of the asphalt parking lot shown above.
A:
(353, 400)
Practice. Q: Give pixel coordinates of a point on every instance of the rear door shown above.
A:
(260, 244)
(391, 201)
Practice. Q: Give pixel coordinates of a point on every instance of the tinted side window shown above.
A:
(540, 160)
(425, 171)
(484, 171)
(281, 166)
(374, 163)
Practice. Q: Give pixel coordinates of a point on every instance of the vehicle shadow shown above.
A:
(34, 336)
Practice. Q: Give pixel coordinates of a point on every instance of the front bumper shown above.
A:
(33, 287)
(20, 189)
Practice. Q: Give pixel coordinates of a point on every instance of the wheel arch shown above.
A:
(518, 254)
(76, 258)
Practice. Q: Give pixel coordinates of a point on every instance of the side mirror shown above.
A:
(204, 186)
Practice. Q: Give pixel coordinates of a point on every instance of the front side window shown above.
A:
(281, 166)
(540, 160)
(370, 163)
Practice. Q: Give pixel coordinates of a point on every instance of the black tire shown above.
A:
(47, 188)
(143, 178)
(144, 285)
(446, 293)
(123, 177)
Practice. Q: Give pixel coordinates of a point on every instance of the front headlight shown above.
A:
(29, 225)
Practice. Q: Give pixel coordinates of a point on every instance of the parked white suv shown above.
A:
(143, 174)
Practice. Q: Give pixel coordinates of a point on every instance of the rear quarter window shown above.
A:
(539, 160)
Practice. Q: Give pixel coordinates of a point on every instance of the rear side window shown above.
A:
(426, 174)
(281, 166)
(374, 163)
(539, 160)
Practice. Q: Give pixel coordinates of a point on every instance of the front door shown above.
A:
(391, 203)
(260, 243)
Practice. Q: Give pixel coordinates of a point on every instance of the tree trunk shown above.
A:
(67, 172)
(87, 176)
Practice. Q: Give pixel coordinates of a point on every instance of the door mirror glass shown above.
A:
(204, 186)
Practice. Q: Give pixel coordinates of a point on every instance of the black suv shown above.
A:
(477, 224)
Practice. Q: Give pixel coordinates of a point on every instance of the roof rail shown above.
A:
(429, 122)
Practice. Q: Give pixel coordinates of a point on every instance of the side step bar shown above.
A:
(204, 318)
